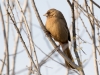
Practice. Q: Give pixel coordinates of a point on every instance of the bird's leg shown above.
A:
(47, 33)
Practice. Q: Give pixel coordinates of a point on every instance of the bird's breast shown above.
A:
(57, 29)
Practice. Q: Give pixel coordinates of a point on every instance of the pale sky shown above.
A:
(51, 67)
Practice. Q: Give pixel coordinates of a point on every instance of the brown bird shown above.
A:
(57, 27)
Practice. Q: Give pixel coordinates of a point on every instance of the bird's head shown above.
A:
(52, 13)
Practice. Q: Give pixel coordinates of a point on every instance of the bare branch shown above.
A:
(94, 41)
(89, 14)
(22, 41)
(95, 3)
(30, 39)
(5, 40)
(16, 40)
(73, 37)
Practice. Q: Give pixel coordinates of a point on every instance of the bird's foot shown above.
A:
(47, 33)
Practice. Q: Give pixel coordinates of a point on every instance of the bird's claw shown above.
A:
(47, 33)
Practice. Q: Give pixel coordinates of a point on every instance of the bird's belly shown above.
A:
(59, 32)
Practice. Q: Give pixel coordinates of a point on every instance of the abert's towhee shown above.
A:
(57, 26)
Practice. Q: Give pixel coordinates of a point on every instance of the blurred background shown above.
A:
(42, 45)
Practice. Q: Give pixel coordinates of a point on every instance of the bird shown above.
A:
(56, 25)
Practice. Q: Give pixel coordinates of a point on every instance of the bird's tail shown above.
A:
(68, 53)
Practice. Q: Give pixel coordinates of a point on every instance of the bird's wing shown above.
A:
(62, 17)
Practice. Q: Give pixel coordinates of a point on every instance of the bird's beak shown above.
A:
(45, 15)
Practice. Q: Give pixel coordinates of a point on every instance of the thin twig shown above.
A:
(94, 41)
(88, 13)
(30, 23)
(5, 40)
(22, 41)
(4, 58)
(16, 40)
(48, 56)
(69, 3)
(85, 28)
(30, 38)
(73, 37)
(95, 3)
